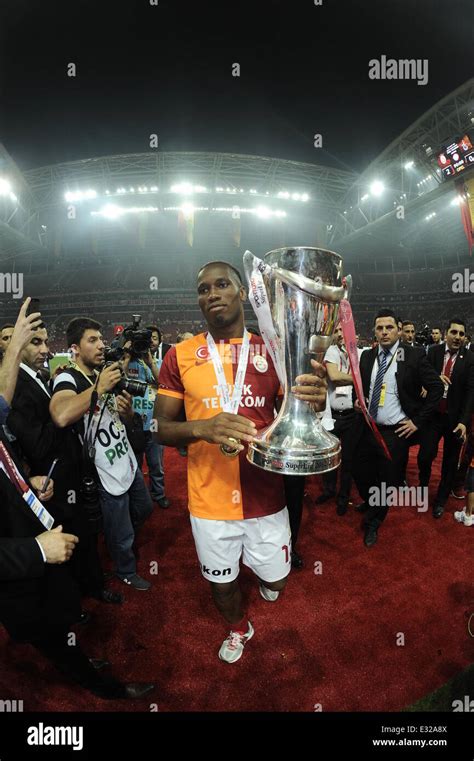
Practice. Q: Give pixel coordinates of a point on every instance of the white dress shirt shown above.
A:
(391, 413)
(34, 375)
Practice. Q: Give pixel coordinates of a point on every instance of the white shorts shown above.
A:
(263, 543)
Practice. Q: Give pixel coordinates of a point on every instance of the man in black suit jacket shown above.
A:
(40, 442)
(39, 599)
(454, 364)
(392, 378)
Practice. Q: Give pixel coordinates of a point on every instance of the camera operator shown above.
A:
(89, 397)
(140, 364)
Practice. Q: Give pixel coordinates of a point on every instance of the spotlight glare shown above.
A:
(263, 212)
(377, 188)
(111, 211)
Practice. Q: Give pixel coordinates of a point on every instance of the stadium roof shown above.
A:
(355, 215)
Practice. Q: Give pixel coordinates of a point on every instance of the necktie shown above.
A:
(374, 402)
(41, 379)
(443, 405)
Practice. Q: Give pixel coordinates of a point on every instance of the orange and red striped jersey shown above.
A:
(220, 487)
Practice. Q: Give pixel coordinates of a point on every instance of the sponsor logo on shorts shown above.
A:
(215, 571)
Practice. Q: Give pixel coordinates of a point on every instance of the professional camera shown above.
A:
(423, 336)
(140, 341)
(131, 385)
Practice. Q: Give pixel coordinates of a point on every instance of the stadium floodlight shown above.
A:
(280, 213)
(5, 187)
(187, 209)
(13, 197)
(305, 197)
(154, 188)
(409, 164)
(283, 194)
(295, 196)
(364, 197)
(111, 211)
(219, 190)
(200, 189)
(376, 188)
(262, 212)
(252, 190)
(80, 195)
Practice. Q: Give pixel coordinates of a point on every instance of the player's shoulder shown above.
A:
(191, 349)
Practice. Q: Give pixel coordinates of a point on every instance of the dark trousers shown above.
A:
(71, 661)
(294, 492)
(439, 427)
(344, 430)
(372, 468)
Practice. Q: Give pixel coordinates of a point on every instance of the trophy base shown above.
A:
(303, 462)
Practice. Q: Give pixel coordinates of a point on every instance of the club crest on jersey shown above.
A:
(202, 353)
(260, 363)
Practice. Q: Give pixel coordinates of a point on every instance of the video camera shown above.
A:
(140, 342)
(423, 336)
(140, 346)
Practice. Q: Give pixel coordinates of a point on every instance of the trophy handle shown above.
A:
(315, 287)
(347, 283)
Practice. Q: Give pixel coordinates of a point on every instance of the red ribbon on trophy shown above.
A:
(350, 342)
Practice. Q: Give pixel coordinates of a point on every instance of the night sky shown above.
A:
(167, 69)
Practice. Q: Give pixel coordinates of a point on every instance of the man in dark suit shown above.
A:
(454, 364)
(392, 378)
(159, 349)
(39, 599)
(40, 442)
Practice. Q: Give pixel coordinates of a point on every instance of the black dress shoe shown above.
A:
(113, 690)
(323, 498)
(296, 560)
(362, 508)
(438, 511)
(164, 503)
(106, 595)
(370, 537)
(98, 663)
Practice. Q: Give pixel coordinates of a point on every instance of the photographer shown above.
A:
(91, 399)
(140, 364)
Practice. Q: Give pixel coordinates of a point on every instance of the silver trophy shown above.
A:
(303, 287)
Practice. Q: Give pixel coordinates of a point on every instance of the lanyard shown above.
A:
(87, 426)
(76, 367)
(254, 267)
(14, 475)
(230, 404)
(12, 471)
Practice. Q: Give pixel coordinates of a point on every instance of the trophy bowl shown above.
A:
(304, 288)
